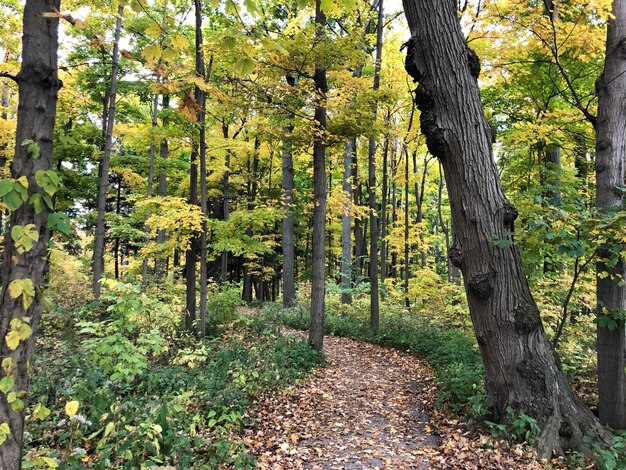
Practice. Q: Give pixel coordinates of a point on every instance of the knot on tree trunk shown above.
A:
(526, 318)
(473, 62)
(455, 255)
(509, 216)
(410, 61)
(481, 284)
(494, 133)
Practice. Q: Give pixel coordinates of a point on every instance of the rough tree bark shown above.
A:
(38, 85)
(522, 370)
(204, 204)
(318, 286)
(610, 154)
(346, 223)
(371, 187)
(289, 251)
(98, 249)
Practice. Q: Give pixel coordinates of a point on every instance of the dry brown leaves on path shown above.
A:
(370, 408)
(366, 409)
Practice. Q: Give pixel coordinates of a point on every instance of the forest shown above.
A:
(322, 234)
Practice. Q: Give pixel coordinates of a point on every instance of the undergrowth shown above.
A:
(122, 386)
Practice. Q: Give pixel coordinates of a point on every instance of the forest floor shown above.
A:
(367, 408)
(370, 407)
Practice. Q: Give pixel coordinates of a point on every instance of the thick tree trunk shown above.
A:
(98, 250)
(610, 154)
(289, 250)
(346, 223)
(522, 370)
(38, 85)
(318, 263)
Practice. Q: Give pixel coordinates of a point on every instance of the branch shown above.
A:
(8, 75)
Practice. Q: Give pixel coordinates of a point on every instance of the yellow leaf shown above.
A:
(8, 365)
(23, 181)
(71, 407)
(180, 42)
(13, 340)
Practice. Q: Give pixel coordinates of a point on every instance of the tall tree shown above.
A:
(289, 252)
(318, 264)
(610, 155)
(99, 238)
(24, 270)
(522, 371)
(204, 205)
(373, 268)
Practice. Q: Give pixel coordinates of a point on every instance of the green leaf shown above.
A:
(32, 147)
(60, 221)
(6, 384)
(245, 65)
(48, 180)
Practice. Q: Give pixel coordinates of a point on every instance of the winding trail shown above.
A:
(367, 409)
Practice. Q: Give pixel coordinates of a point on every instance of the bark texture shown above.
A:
(289, 250)
(522, 370)
(318, 264)
(610, 154)
(38, 85)
(98, 249)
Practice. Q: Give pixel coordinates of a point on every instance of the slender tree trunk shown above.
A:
(522, 370)
(226, 205)
(38, 85)
(383, 212)
(160, 267)
(200, 96)
(610, 154)
(151, 163)
(373, 269)
(98, 250)
(346, 222)
(318, 284)
(394, 206)
(289, 249)
(407, 259)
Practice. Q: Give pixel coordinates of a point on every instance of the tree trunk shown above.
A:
(200, 96)
(289, 250)
(383, 212)
(610, 154)
(162, 187)
(407, 260)
(346, 223)
(38, 85)
(98, 250)
(522, 370)
(371, 188)
(151, 161)
(226, 205)
(318, 286)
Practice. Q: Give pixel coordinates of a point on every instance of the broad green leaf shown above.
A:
(6, 384)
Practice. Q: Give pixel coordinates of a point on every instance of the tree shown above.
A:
(610, 161)
(373, 269)
(24, 270)
(318, 285)
(522, 371)
(110, 103)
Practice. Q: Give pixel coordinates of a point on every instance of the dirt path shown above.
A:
(367, 409)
